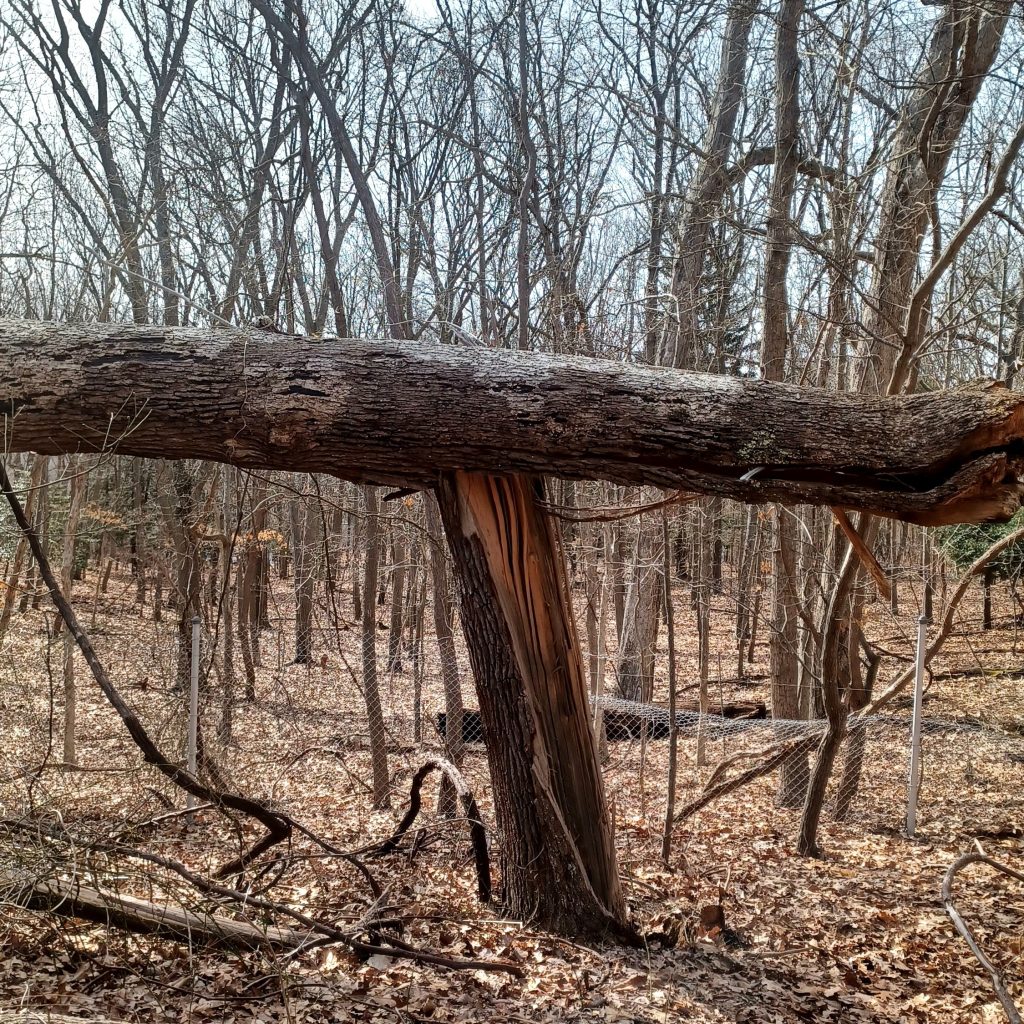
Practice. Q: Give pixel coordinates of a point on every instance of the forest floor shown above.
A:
(859, 935)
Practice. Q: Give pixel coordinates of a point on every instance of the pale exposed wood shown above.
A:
(73, 899)
(864, 553)
(558, 855)
(402, 413)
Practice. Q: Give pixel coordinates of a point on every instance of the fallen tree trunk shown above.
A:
(404, 413)
(72, 899)
(625, 723)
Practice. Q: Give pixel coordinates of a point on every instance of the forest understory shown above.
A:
(544, 269)
(739, 928)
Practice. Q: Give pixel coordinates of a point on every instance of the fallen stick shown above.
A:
(478, 835)
(144, 917)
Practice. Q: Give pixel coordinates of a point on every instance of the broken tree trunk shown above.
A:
(403, 413)
(558, 855)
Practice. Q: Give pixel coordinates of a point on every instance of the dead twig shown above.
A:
(998, 984)
(478, 836)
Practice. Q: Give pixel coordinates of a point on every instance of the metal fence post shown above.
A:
(923, 622)
(193, 707)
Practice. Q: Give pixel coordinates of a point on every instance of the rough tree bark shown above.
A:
(784, 640)
(558, 854)
(402, 413)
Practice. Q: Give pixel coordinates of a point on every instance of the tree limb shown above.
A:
(998, 984)
(404, 413)
(278, 829)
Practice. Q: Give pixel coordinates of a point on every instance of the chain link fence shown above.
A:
(306, 730)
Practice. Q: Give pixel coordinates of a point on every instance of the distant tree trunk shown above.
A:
(834, 673)
(746, 571)
(108, 568)
(640, 620)
(229, 526)
(246, 587)
(176, 493)
(784, 639)
(102, 559)
(42, 524)
(447, 657)
(259, 567)
(416, 612)
(248, 591)
(928, 571)
(355, 545)
(593, 589)
(702, 590)
(607, 586)
(964, 45)
(717, 544)
(783, 650)
(158, 591)
(673, 748)
(139, 534)
(986, 604)
(371, 692)
(398, 568)
(303, 542)
(77, 471)
(616, 556)
(558, 852)
(859, 698)
(35, 482)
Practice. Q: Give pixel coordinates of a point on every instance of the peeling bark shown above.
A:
(558, 851)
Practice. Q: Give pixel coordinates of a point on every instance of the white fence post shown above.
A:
(915, 727)
(193, 707)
